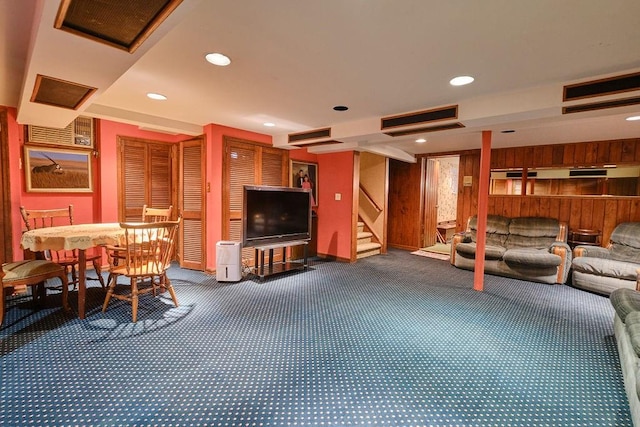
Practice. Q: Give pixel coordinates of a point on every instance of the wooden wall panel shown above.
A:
(593, 153)
(591, 212)
(577, 212)
(467, 196)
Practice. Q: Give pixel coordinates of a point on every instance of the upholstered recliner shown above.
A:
(603, 270)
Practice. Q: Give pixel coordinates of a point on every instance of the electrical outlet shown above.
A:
(338, 196)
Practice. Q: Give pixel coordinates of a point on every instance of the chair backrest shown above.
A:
(41, 218)
(156, 214)
(149, 247)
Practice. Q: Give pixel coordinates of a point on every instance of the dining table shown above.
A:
(78, 237)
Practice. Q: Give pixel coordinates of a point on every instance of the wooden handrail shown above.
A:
(368, 196)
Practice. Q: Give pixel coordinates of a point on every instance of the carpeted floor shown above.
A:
(392, 340)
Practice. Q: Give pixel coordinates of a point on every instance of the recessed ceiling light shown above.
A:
(218, 59)
(421, 140)
(633, 118)
(156, 96)
(461, 80)
(341, 108)
(269, 124)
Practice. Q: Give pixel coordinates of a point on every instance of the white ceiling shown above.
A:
(294, 60)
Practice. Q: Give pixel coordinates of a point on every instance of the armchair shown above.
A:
(604, 269)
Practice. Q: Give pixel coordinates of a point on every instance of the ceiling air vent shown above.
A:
(420, 117)
(601, 87)
(60, 93)
(124, 24)
(449, 126)
(601, 105)
(315, 144)
(519, 174)
(312, 135)
(79, 133)
(588, 172)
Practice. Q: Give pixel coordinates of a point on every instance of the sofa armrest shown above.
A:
(461, 237)
(563, 250)
(591, 251)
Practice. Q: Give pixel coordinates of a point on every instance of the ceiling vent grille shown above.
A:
(301, 137)
(420, 117)
(588, 173)
(60, 93)
(78, 133)
(601, 105)
(315, 144)
(601, 87)
(124, 24)
(449, 126)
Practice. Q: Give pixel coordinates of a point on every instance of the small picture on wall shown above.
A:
(305, 175)
(57, 170)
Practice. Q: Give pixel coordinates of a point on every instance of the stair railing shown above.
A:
(370, 199)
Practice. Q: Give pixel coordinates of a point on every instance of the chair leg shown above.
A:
(134, 299)
(4, 300)
(65, 291)
(97, 268)
(167, 283)
(112, 286)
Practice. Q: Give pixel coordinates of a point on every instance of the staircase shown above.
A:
(365, 246)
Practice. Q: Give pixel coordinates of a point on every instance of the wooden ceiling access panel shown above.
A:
(60, 93)
(123, 24)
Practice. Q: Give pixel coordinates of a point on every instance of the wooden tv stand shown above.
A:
(282, 266)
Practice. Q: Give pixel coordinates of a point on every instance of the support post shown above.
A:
(483, 202)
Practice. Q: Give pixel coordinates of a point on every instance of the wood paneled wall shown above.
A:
(591, 212)
(579, 154)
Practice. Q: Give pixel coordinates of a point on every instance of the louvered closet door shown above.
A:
(241, 162)
(248, 163)
(192, 205)
(145, 171)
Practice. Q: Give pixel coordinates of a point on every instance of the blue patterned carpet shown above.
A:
(393, 340)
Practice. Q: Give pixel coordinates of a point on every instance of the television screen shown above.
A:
(275, 214)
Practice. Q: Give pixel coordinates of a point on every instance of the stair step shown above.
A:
(368, 249)
(368, 246)
(364, 237)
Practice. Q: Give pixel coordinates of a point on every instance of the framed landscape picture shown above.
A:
(305, 175)
(57, 170)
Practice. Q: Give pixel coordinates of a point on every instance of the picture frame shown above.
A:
(298, 170)
(56, 170)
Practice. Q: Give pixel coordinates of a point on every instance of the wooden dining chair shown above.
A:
(148, 249)
(17, 276)
(150, 214)
(41, 218)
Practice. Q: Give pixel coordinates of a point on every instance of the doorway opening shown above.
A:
(441, 202)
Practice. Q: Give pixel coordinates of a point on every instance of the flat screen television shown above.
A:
(275, 215)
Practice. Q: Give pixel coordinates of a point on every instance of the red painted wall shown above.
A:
(214, 135)
(335, 172)
(101, 205)
(106, 205)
